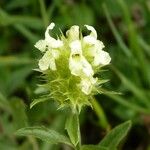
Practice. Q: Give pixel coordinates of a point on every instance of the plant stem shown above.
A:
(79, 133)
(33, 142)
(100, 114)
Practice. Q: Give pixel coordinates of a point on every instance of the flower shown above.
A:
(48, 42)
(94, 48)
(52, 43)
(78, 64)
(69, 65)
(49, 46)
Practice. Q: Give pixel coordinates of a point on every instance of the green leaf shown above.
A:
(93, 147)
(134, 88)
(44, 134)
(128, 104)
(32, 37)
(115, 136)
(120, 41)
(72, 127)
(17, 4)
(28, 21)
(87, 15)
(100, 114)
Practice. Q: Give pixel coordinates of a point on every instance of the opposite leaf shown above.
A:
(44, 134)
(72, 127)
(115, 136)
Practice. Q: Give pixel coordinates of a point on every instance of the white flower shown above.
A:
(78, 65)
(87, 84)
(82, 54)
(48, 60)
(94, 48)
(49, 42)
(73, 33)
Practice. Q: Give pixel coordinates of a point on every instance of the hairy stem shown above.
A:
(79, 133)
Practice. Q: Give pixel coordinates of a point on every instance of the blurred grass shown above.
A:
(124, 28)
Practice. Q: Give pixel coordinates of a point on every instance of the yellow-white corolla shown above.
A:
(83, 55)
(79, 66)
(49, 45)
(95, 48)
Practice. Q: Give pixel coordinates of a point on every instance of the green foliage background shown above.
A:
(122, 25)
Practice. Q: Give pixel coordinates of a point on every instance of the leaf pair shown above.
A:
(110, 141)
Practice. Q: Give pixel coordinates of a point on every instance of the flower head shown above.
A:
(69, 65)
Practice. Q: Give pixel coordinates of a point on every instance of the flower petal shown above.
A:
(76, 47)
(55, 53)
(73, 33)
(89, 40)
(87, 68)
(75, 66)
(45, 61)
(93, 31)
(99, 45)
(52, 64)
(41, 45)
(102, 58)
(93, 49)
(50, 27)
(48, 60)
(52, 43)
(87, 85)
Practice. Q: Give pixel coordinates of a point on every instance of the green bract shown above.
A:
(69, 64)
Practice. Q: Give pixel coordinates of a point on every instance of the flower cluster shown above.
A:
(69, 64)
